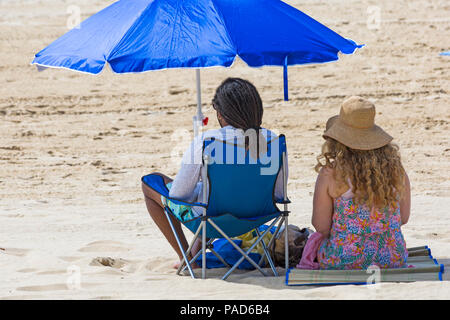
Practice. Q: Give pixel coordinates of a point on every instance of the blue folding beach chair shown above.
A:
(238, 197)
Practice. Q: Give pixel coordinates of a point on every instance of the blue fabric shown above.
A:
(183, 213)
(141, 35)
(233, 174)
(240, 198)
(230, 254)
(156, 182)
(445, 53)
(229, 224)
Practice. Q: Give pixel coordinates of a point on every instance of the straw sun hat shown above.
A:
(355, 126)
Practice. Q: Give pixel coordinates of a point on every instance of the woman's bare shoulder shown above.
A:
(327, 175)
(324, 178)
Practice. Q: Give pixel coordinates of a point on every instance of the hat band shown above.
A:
(353, 126)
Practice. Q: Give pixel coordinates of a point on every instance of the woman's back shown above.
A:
(361, 236)
(362, 193)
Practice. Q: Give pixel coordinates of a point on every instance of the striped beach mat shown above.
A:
(421, 267)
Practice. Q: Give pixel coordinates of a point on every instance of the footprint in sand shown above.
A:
(156, 279)
(431, 235)
(50, 272)
(23, 297)
(104, 246)
(119, 265)
(27, 270)
(53, 287)
(97, 163)
(48, 287)
(103, 298)
(14, 251)
(70, 259)
(158, 264)
(14, 215)
(108, 262)
(176, 91)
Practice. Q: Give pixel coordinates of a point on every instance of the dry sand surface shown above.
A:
(74, 146)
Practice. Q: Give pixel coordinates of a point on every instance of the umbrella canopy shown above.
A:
(142, 35)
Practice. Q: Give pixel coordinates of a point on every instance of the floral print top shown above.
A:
(361, 237)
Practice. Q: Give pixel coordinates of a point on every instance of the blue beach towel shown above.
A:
(230, 254)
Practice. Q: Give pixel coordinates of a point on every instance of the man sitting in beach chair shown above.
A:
(228, 184)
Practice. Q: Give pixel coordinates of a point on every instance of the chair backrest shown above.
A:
(239, 184)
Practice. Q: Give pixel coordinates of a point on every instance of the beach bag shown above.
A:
(297, 240)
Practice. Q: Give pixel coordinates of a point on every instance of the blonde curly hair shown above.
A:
(377, 176)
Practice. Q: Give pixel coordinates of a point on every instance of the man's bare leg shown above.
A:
(156, 210)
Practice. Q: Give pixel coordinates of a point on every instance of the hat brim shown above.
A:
(356, 138)
(331, 121)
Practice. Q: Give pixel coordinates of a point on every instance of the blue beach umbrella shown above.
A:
(143, 35)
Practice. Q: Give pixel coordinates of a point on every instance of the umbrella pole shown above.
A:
(285, 79)
(198, 118)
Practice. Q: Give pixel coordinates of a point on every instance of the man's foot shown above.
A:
(195, 249)
(176, 265)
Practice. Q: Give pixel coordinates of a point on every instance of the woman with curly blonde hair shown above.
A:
(362, 193)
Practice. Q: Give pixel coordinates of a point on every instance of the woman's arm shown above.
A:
(322, 203)
(405, 202)
(184, 186)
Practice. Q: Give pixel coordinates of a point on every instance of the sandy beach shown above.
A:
(73, 148)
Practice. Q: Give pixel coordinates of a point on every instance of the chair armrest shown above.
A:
(282, 201)
(156, 183)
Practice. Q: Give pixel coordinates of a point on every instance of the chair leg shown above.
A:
(277, 230)
(179, 245)
(198, 254)
(218, 256)
(286, 244)
(180, 268)
(274, 270)
(204, 250)
(244, 254)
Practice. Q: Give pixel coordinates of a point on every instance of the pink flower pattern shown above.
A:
(361, 237)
